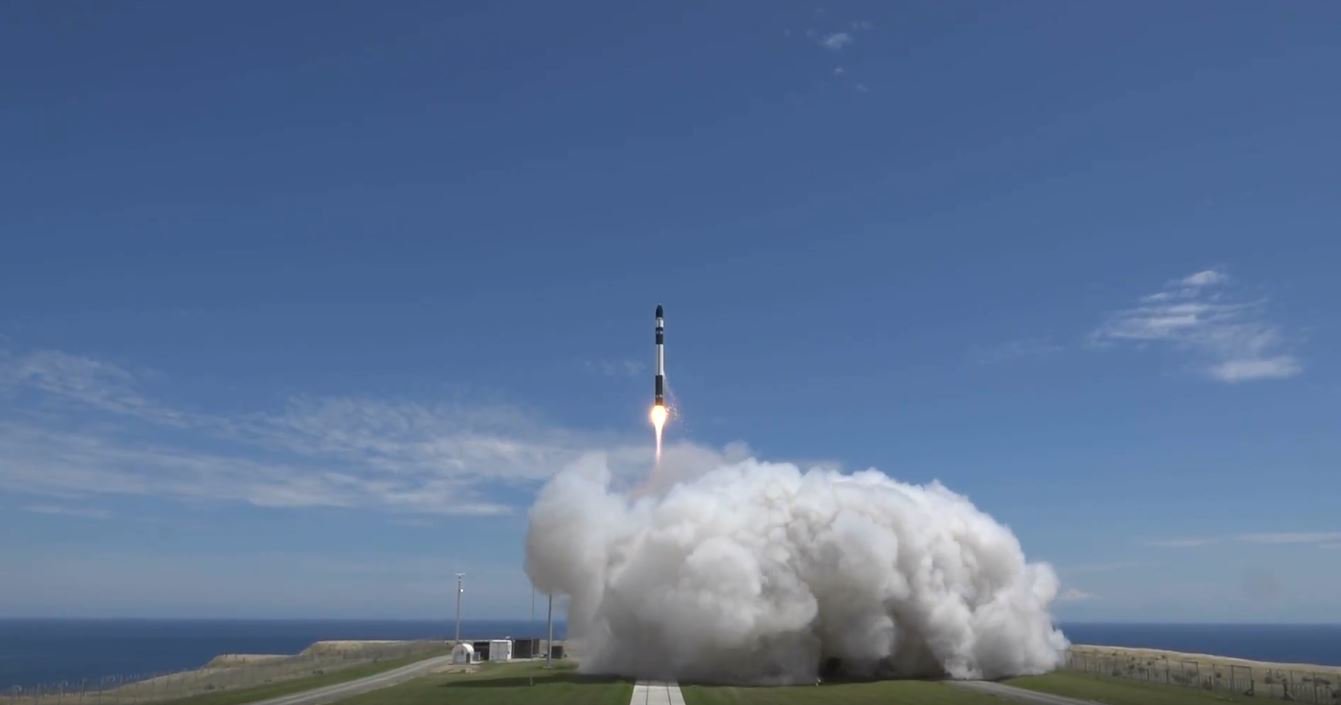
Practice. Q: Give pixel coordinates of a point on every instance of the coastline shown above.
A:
(1310, 682)
(1177, 656)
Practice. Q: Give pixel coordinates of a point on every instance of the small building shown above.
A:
(463, 653)
(527, 648)
(500, 650)
(481, 650)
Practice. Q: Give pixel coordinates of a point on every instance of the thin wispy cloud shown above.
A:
(1318, 537)
(1109, 567)
(1231, 338)
(836, 38)
(73, 427)
(63, 378)
(835, 41)
(1075, 595)
(1208, 277)
(1181, 542)
(68, 511)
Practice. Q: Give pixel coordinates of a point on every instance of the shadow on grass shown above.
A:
(527, 681)
(831, 672)
(843, 680)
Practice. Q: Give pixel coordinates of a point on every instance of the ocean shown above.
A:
(46, 651)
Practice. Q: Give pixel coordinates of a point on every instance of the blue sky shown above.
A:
(300, 304)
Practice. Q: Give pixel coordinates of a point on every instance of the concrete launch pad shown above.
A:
(656, 693)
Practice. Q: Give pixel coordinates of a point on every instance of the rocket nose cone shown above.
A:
(659, 311)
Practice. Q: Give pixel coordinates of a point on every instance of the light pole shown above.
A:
(549, 643)
(459, 589)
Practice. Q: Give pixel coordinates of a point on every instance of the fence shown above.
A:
(1297, 685)
(222, 674)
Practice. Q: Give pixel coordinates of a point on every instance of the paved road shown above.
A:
(656, 693)
(377, 681)
(1033, 697)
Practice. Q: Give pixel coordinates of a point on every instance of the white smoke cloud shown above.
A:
(756, 572)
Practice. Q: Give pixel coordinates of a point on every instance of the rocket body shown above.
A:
(659, 382)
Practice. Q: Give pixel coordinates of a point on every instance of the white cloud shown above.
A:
(1318, 537)
(1182, 542)
(836, 41)
(839, 71)
(1278, 367)
(1206, 277)
(1232, 339)
(63, 510)
(862, 25)
(1075, 595)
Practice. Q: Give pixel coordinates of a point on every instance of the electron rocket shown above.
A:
(659, 398)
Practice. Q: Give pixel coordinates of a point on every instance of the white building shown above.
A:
(463, 653)
(500, 650)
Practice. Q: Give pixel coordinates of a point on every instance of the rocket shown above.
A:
(660, 380)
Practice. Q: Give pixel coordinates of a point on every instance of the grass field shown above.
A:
(532, 684)
(514, 684)
(880, 692)
(1120, 692)
(262, 692)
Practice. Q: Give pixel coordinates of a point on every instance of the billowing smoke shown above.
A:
(755, 572)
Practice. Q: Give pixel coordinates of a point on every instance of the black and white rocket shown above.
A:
(660, 383)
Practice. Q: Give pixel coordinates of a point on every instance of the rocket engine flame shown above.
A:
(658, 415)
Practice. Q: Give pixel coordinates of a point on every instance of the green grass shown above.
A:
(872, 693)
(1123, 692)
(514, 684)
(297, 685)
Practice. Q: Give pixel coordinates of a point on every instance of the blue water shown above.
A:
(1287, 643)
(45, 651)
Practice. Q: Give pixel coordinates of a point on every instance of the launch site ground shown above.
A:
(430, 678)
(532, 684)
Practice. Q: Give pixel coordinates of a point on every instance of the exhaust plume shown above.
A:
(756, 572)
